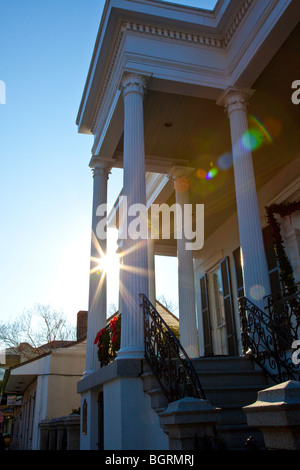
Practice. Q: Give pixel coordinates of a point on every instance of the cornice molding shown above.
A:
(171, 34)
(236, 22)
(186, 36)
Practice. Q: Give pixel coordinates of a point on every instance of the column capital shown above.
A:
(134, 83)
(181, 177)
(234, 99)
(100, 167)
(181, 172)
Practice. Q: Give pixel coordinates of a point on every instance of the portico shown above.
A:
(166, 98)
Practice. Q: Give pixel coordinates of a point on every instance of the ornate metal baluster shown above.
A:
(167, 358)
(268, 336)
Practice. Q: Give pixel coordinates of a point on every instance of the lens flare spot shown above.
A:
(274, 127)
(257, 125)
(225, 161)
(201, 174)
(212, 173)
(257, 292)
(252, 139)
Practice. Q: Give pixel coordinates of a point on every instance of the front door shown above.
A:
(217, 311)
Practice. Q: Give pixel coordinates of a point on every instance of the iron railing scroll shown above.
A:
(268, 336)
(167, 358)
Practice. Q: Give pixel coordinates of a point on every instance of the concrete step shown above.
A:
(232, 414)
(228, 378)
(222, 363)
(229, 383)
(158, 399)
(149, 381)
(232, 383)
(225, 395)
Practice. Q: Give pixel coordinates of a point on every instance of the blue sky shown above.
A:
(206, 4)
(45, 181)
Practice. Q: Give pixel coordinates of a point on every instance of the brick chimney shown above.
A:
(82, 317)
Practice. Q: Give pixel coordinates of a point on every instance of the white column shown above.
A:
(151, 271)
(256, 277)
(186, 283)
(134, 275)
(97, 286)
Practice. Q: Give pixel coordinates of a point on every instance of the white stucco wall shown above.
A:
(129, 421)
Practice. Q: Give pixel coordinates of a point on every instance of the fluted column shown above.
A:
(186, 282)
(256, 278)
(151, 271)
(134, 276)
(97, 285)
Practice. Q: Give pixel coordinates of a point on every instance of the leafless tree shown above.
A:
(112, 308)
(168, 303)
(39, 328)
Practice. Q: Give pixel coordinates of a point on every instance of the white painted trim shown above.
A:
(107, 121)
(212, 262)
(289, 191)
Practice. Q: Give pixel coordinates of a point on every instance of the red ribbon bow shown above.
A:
(113, 324)
(99, 334)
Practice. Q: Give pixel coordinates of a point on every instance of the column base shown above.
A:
(130, 353)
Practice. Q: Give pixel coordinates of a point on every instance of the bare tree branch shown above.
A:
(34, 328)
(168, 303)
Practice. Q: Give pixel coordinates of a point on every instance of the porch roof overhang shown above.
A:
(17, 378)
(214, 50)
(190, 57)
(18, 383)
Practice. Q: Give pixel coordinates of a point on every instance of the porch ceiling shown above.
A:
(196, 130)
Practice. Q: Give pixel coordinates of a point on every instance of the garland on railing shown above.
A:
(108, 341)
(286, 270)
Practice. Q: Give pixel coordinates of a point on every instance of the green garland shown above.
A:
(286, 270)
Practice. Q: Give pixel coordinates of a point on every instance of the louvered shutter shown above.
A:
(208, 350)
(238, 272)
(271, 260)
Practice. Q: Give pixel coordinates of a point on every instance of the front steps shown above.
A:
(228, 383)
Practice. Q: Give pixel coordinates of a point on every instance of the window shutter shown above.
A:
(228, 307)
(208, 350)
(271, 260)
(238, 272)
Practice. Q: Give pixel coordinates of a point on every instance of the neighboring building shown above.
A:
(197, 107)
(44, 388)
(10, 357)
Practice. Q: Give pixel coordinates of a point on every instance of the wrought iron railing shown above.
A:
(268, 337)
(284, 309)
(167, 358)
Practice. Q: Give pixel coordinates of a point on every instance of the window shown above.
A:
(219, 299)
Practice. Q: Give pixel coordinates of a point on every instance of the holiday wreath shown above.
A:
(108, 341)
